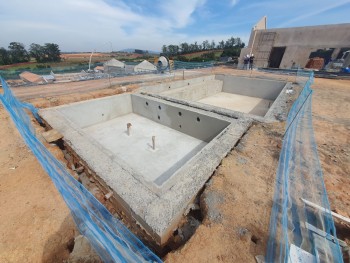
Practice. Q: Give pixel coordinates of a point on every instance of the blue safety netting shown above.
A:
(299, 183)
(109, 237)
(192, 65)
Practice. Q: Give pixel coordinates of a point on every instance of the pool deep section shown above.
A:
(238, 96)
(153, 155)
(160, 138)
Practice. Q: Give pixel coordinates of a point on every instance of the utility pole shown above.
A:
(90, 59)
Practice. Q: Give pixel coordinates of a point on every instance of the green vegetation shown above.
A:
(16, 53)
(206, 51)
(50, 52)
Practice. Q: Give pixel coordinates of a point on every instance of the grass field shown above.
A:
(200, 53)
(69, 60)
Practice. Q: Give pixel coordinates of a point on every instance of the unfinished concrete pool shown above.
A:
(153, 156)
(260, 99)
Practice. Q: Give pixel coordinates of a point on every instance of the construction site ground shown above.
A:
(36, 225)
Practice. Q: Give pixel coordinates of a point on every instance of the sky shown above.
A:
(105, 25)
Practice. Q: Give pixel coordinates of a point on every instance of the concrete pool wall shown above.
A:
(153, 187)
(238, 97)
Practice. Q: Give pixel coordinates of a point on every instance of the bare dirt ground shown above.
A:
(36, 225)
(105, 85)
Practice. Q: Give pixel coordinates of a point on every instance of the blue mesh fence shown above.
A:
(192, 65)
(109, 237)
(294, 222)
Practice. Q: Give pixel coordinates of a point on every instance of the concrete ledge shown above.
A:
(263, 89)
(158, 212)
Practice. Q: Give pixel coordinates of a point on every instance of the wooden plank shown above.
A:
(324, 234)
(345, 219)
(52, 135)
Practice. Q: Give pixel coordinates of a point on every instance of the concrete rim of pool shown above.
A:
(157, 202)
(258, 99)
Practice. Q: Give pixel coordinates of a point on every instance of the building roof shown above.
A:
(31, 77)
(99, 68)
(114, 63)
(145, 66)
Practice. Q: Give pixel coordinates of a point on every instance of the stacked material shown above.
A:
(315, 63)
(31, 77)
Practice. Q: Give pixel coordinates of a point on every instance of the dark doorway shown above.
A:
(326, 54)
(276, 56)
(341, 52)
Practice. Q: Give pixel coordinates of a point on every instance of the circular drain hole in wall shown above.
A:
(158, 117)
(180, 113)
(180, 126)
(198, 119)
(159, 107)
(146, 103)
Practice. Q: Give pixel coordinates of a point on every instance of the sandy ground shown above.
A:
(36, 225)
(66, 88)
(240, 194)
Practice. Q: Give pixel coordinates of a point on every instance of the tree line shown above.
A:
(17, 53)
(233, 44)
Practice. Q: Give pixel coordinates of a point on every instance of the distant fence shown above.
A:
(112, 241)
(192, 65)
(294, 225)
(128, 71)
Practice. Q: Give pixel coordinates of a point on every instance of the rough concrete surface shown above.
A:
(172, 148)
(240, 103)
(38, 231)
(263, 99)
(157, 209)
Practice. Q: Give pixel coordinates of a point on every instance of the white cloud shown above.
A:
(89, 24)
(234, 2)
(180, 11)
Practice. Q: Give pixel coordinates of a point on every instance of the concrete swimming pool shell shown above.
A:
(153, 155)
(238, 97)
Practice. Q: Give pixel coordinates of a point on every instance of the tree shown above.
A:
(173, 50)
(4, 57)
(37, 52)
(164, 49)
(205, 45)
(18, 52)
(195, 46)
(52, 52)
(184, 48)
(212, 45)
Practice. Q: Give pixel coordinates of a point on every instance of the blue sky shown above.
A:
(85, 25)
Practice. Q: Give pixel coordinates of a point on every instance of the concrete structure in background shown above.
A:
(292, 47)
(155, 169)
(236, 97)
(145, 66)
(152, 153)
(114, 66)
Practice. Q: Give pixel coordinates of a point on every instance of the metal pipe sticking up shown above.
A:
(153, 142)
(128, 127)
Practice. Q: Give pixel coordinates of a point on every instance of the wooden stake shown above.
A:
(128, 127)
(154, 142)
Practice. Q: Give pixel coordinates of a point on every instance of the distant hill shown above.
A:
(135, 50)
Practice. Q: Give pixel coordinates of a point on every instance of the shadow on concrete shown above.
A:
(261, 108)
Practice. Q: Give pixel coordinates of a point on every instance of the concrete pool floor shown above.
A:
(151, 189)
(173, 148)
(262, 100)
(246, 104)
